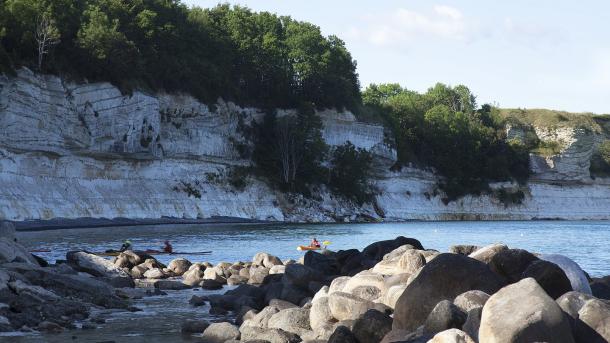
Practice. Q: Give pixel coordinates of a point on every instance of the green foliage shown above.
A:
(257, 59)
(238, 177)
(547, 148)
(444, 129)
(600, 162)
(350, 173)
(510, 197)
(289, 150)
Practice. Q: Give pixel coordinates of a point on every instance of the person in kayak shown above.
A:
(314, 243)
(126, 246)
(168, 248)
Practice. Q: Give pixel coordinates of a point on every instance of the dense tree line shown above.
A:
(252, 58)
(445, 129)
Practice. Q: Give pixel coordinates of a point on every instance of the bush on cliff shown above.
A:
(350, 173)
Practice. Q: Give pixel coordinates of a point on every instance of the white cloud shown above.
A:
(403, 24)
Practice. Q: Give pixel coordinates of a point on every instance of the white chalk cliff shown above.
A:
(70, 150)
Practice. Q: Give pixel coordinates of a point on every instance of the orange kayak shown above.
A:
(307, 247)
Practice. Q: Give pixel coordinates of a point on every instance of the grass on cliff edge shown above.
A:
(556, 119)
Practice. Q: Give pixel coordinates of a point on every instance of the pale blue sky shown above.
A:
(518, 53)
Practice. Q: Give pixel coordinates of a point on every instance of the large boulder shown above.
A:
(220, 332)
(342, 335)
(444, 316)
(443, 278)
(600, 287)
(372, 327)
(523, 312)
(367, 285)
(486, 253)
(266, 260)
(411, 261)
(550, 277)
(577, 277)
(294, 320)
(179, 266)
(463, 249)
(596, 314)
(319, 314)
(511, 263)
(473, 322)
(93, 264)
(11, 251)
(378, 250)
(471, 299)
(258, 334)
(346, 306)
(324, 264)
(300, 275)
(451, 336)
(571, 303)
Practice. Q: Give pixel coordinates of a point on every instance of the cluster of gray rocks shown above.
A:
(391, 291)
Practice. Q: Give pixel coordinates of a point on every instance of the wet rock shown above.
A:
(215, 274)
(577, 277)
(210, 284)
(470, 300)
(128, 259)
(120, 282)
(550, 277)
(443, 278)
(197, 300)
(191, 326)
(93, 264)
(372, 327)
(50, 327)
(342, 335)
(137, 272)
(293, 294)
(444, 316)
(511, 263)
(220, 332)
(170, 285)
(451, 336)
(486, 253)
(523, 312)
(179, 266)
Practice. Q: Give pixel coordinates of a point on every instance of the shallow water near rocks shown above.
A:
(585, 242)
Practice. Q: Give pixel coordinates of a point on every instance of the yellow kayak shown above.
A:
(307, 247)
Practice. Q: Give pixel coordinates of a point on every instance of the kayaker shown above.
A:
(168, 248)
(126, 246)
(314, 243)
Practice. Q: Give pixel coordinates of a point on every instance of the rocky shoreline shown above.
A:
(391, 291)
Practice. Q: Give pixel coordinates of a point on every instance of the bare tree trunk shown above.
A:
(47, 36)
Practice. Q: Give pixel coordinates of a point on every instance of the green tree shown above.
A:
(351, 172)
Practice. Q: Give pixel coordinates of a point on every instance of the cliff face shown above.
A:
(86, 150)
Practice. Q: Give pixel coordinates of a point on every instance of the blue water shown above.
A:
(586, 242)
